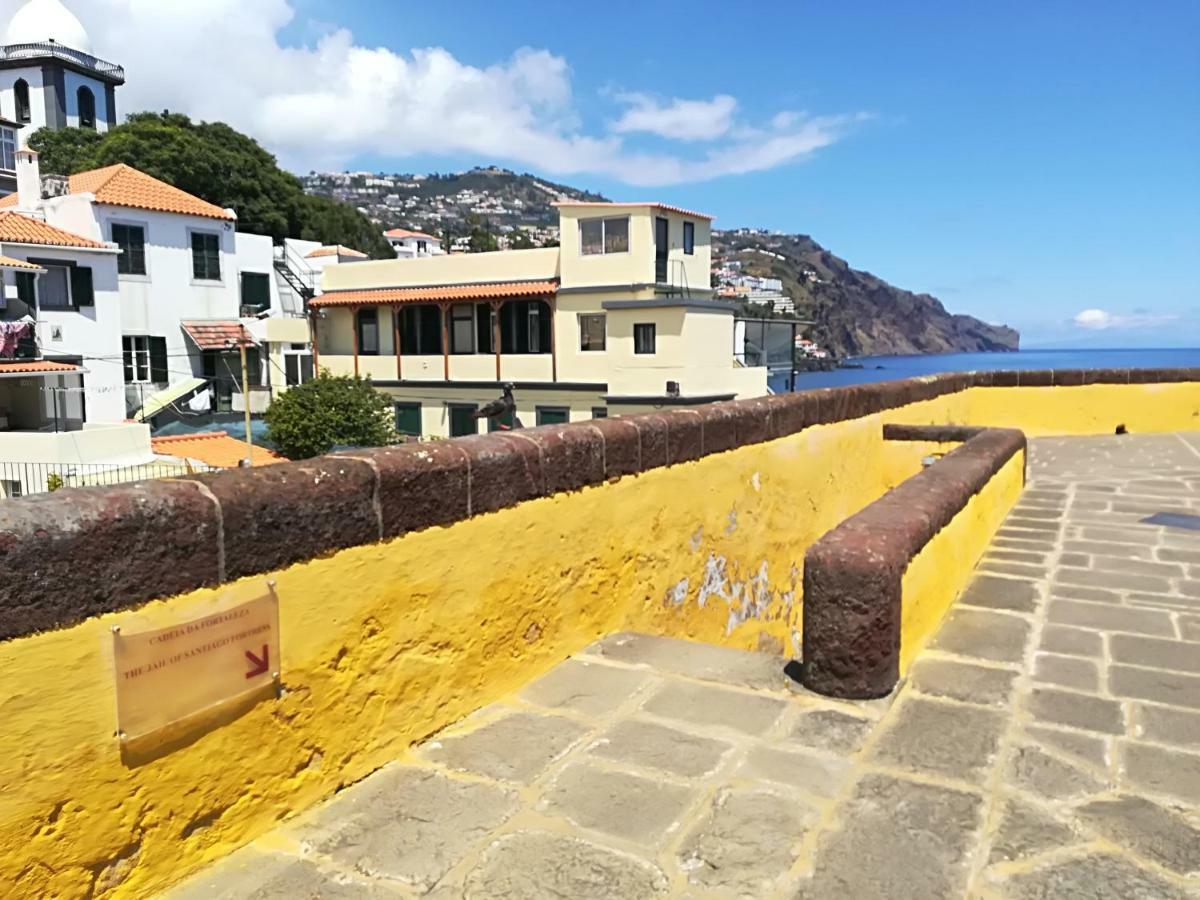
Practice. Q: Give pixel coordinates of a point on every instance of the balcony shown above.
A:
(463, 367)
(110, 72)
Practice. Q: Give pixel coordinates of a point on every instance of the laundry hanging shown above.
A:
(11, 334)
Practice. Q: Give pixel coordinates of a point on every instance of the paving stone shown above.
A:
(617, 803)
(1158, 654)
(527, 865)
(1148, 829)
(518, 747)
(1092, 595)
(829, 729)
(1137, 566)
(1071, 641)
(1097, 876)
(1031, 525)
(1163, 771)
(816, 775)
(255, 875)
(585, 687)
(656, 746)
(1003, 554)
(1117, 580)
(885, 846)
(1067, 671)
(960, 681)
(1165, 601)
(1170, 554)
(1076, 710)
(985, 635)
(1001, 593)
(1050, 778)
(747, 842)
(1189, 628)
(1168, 726)
(1016, 569)
(1085, 747)
(1110, 618)
(703, 705)
(1075, 560)
(707, 662)
(1119, 536)
(1023, 543)
(1172, 688)
(406, 825)
(951, 740)
(1026, 831)
(1109, 548)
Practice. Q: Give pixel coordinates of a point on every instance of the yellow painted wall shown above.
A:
(454, 268)
(1089, 409)
(383, 645)
(938, 574)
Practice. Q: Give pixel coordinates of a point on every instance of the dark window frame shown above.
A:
(85, 107)
(132, 260)
(21, 96)
(540, 412)
(586, 341)
(361, 317)
(599, 412)
(408, 407)
(264, 303)
(689, 238)
(452, 408)
(645, 334)
(460, 313)
(206, 259)
(603, 245)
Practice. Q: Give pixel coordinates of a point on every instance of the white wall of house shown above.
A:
(37, 99)
(414, 247)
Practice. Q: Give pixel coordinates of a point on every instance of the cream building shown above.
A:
(618, 319)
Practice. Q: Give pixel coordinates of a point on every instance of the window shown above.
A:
(87, 107)
(145, 359)
(462, 419)
(62, 286)
(21, 92)
(484, 317)
(298, 368)
(591, 331)
(599, 412)
(408, 418)
(462, 328)
(132, 241)
(10, 489)
(643, 337)
(26, 290)
(420, 246)
(256, 292)
(553, 415)
(525, 327)
(206, 256)
(598, 236)
(368, 331)
(420, 330)
(54, 288)
(8, 149)
(689, 238)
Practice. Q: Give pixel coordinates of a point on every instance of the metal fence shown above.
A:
(21, 479)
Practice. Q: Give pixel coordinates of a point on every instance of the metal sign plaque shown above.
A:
(170, 673)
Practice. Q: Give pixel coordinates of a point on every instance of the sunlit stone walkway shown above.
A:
(1046, 746)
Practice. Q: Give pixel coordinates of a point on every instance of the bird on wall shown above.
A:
(500, 408)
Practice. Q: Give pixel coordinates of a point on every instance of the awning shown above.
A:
(218, 334)
(19, 265)
(164, 398)
(41, 367)
(448, 293)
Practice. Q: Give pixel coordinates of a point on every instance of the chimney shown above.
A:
(29, 180)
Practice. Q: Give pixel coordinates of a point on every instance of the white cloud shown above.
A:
(681, 120)
(1103, 320)
(320, 105)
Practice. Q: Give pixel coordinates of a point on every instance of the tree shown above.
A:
(520, 240)
(217, 164)
(329, 411)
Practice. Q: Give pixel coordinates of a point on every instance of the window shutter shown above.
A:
(81, 286)
(25, 289)
(158, 360)
(306, 368)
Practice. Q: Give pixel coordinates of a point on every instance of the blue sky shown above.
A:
(1025, 162)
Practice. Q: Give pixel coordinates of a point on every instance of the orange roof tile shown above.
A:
(18, 229)
(7, 262)
(218, 334)
(213, 448)
(123, 185)
(666, 207)
(497, 290)
(336, 250)
(405, 233)
(34, 368)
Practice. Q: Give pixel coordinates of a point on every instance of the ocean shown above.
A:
(885, 368)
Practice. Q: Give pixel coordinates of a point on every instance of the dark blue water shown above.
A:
(885, 368)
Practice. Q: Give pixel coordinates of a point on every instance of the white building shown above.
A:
(413, 244)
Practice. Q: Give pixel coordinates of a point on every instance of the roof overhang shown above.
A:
(42, 368)
(440, 293)
(218, 334)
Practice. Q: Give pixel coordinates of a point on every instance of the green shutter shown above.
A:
(408, 418)
(82, 293)
(25, 288)
(158, 361)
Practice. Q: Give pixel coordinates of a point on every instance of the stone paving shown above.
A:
(1046, 745)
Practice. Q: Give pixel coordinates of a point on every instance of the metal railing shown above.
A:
(21, 479)
(42, 49)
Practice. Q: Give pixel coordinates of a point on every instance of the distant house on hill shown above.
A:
(413, 244)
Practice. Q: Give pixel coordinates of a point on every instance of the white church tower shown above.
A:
(48, 76)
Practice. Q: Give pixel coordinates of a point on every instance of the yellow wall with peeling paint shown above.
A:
(939, 573)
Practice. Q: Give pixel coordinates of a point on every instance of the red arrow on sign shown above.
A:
(259, 665)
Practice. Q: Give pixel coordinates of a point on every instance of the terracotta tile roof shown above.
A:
(405, 233)
(336, 250)
(496, 290)
(218, 334)
(7, 262)
(123, 185)
(33, 368)
(666, 207)
(213, 448)
(18, 229)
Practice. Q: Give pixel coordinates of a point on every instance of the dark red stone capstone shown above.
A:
(622, 446)
(505, 470)
(572, 455)
(420, 485)
(719, 432)
(685, 435)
